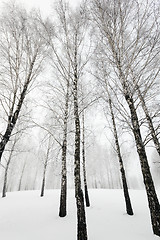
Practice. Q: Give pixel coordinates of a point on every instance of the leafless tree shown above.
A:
(125, 28)
(74, 26)
(45, 164)
(23, 51)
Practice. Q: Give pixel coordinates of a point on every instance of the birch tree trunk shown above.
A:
(12, 119)
(23, 50)
(147, 177)
(45, 167)
(149, 120)
(84, 162)
(113, 21)
(63, 197)
(122, 170)
(43, 180)
(81, 226)
(6, 170)
(5, 179)
(21, 177)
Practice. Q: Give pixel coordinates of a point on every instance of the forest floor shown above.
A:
(26, 216)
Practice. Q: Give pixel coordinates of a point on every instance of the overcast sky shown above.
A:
(44, 5)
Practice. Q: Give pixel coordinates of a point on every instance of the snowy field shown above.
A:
(26, 216)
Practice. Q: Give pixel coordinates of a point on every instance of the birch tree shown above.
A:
(58, 91)
(74, 26)
(4, 190)
(22, 53)
(125, 27)
(45, 164)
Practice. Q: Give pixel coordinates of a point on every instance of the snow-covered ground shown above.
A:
(26, 216)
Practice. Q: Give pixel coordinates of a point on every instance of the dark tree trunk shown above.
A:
(153, 201)
(6, 171)
(12, 119)
(6, 136)
(147, 177)
(5, 182)
(84, 163)
(81, 217)
(42, 188)
(20, 181)
(63, 197)
(81, 227)
(45, 169)
(43, 180)
(122, 170)
(150, 122)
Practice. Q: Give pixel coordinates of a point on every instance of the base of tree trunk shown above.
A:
(155, 214)
(87, 197)
(129, 209)
(130, 212)
(82, 228)
(62, 213)
(156, 226)
(62, 208)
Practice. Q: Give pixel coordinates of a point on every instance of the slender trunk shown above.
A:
(13, 118)
(84, 163)
(147, 177)
(122, 170)
(110, 175)
(63, 196)
(35, 178)
(5, 181)
(6, 171)
(153, 201)
(108, 178)
(43, 180)
(150, 122)
(45, 168)
(6, 137)
(20, 181)
(81, 217)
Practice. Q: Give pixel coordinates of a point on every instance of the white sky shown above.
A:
(43, 5)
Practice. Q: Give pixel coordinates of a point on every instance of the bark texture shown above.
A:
(4, 190)
(153, 201)
(43, 180)
(84, 162)
(12, 119)
(150, 122)
(81, 217)
(122, 170)
(5, 180)
(45, 168)
(147, 177)
(63, 196)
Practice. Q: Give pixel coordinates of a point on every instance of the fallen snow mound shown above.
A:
(26, 216)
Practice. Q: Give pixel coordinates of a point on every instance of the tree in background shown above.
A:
(45, 164)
